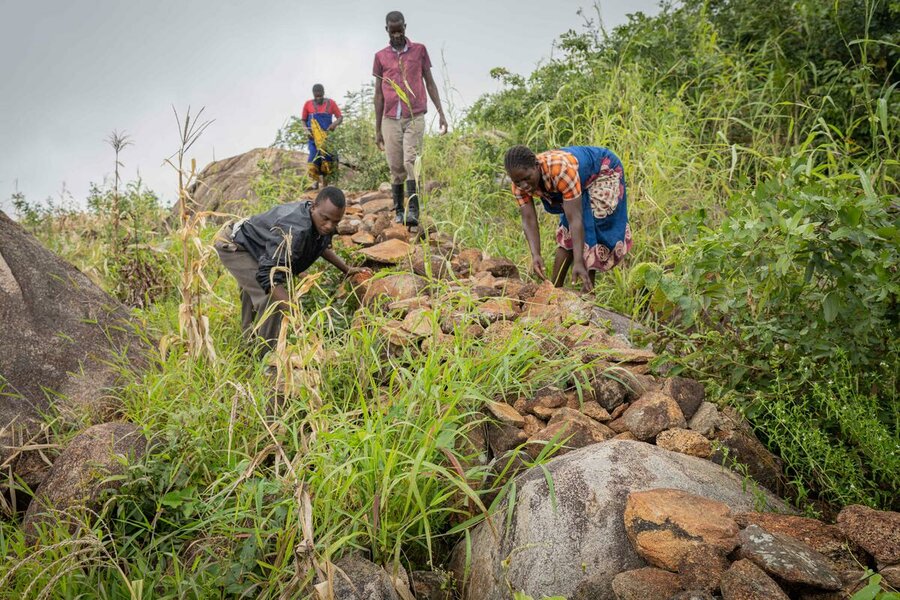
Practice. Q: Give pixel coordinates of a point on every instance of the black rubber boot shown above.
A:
(412, 215)
(397, 193)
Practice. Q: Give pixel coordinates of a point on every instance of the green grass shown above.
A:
(215, 504)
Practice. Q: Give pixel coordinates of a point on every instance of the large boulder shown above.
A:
(229, 185)
(554, 541)
(84, 472)
(61, 337)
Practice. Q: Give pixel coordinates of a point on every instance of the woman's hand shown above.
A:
(579, 271)
(356, 271)
(538, 267)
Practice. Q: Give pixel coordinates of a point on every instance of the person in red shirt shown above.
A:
(326, 113)
(402, 73)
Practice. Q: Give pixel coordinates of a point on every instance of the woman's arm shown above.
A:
(572, 208)
(533, 235)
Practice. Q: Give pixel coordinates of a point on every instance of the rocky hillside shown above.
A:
(608, 479)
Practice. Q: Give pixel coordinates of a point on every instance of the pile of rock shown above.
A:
(564, 530)
(447, 290)
(697, 547)
(616, 402)
(627, 520)
(684, 543)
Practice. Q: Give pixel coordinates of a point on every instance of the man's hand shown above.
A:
(379, 140)
(579, 271)
(280, 298)
(442, 121)
(538, 267)
(351, 271)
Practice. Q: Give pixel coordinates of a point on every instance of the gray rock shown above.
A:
(688, 393)
(551, 543)
(787, 559)
(63, 334)
(361, 579)
(80, 475)
(845, 557)
(705, 419)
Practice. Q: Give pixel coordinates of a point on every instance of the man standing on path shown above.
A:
(402, 73)
(326, 115)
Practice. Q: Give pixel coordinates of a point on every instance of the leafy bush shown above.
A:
(139, 272)
(807, 269)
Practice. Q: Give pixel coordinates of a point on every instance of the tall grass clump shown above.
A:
(118, 142)
(193, 324)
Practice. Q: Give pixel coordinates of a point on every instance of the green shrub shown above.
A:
(837, 435)
(806, 269)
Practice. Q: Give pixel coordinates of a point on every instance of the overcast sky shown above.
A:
(72, 71)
